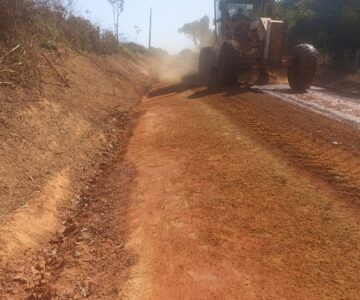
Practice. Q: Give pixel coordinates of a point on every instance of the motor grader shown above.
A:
(249, 42)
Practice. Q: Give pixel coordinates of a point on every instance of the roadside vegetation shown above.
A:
(30, 27)
(332, 26)
(51, 22)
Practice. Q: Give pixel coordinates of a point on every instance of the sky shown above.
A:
(168, 17)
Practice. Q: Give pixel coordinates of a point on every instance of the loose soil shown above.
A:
(211, 195)
(53, 141)
(340, 81)
(241, 196)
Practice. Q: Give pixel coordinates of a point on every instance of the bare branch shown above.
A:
(10, 52)
(118, 8)
(9, 84)
(56, 71)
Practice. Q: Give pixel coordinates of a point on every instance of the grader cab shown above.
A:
(248, 42)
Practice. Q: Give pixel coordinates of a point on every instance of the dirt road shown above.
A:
(224, 195)
(241, 196)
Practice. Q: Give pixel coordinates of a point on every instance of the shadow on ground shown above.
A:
(226, 91)
(188, 82)
(192, 82)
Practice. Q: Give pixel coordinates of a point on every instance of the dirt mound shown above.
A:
(54, 139)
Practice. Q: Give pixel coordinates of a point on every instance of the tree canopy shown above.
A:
(199, 31)
(331, 25)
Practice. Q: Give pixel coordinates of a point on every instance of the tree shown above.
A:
(332, 26)
(138, 31)
(118, 8)
(199, 31)
(69, 7)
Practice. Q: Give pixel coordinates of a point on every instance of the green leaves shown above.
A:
(333, 26)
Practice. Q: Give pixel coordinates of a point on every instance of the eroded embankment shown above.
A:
(53, 142)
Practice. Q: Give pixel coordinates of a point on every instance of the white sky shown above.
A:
(168, 16)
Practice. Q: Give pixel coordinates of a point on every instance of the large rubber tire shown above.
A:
(229, 62)
(263, 78)
(207, 61)
(301, 73)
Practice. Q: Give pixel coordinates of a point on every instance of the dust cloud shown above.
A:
(176, 68)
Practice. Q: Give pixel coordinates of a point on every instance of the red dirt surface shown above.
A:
(214, 195)
(52, 144)
(236, 198)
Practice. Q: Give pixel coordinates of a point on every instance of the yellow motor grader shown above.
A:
(248, 43)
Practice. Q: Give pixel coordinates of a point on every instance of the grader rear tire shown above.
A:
(301, 74)
(228, 63)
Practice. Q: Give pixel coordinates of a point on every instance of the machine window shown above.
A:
(240, 11)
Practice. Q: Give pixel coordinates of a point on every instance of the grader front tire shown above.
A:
(301, 73)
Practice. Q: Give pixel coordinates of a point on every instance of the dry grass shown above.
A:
(35, 25)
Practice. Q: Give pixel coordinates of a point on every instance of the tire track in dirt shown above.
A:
(220, 214)
(327, 148)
